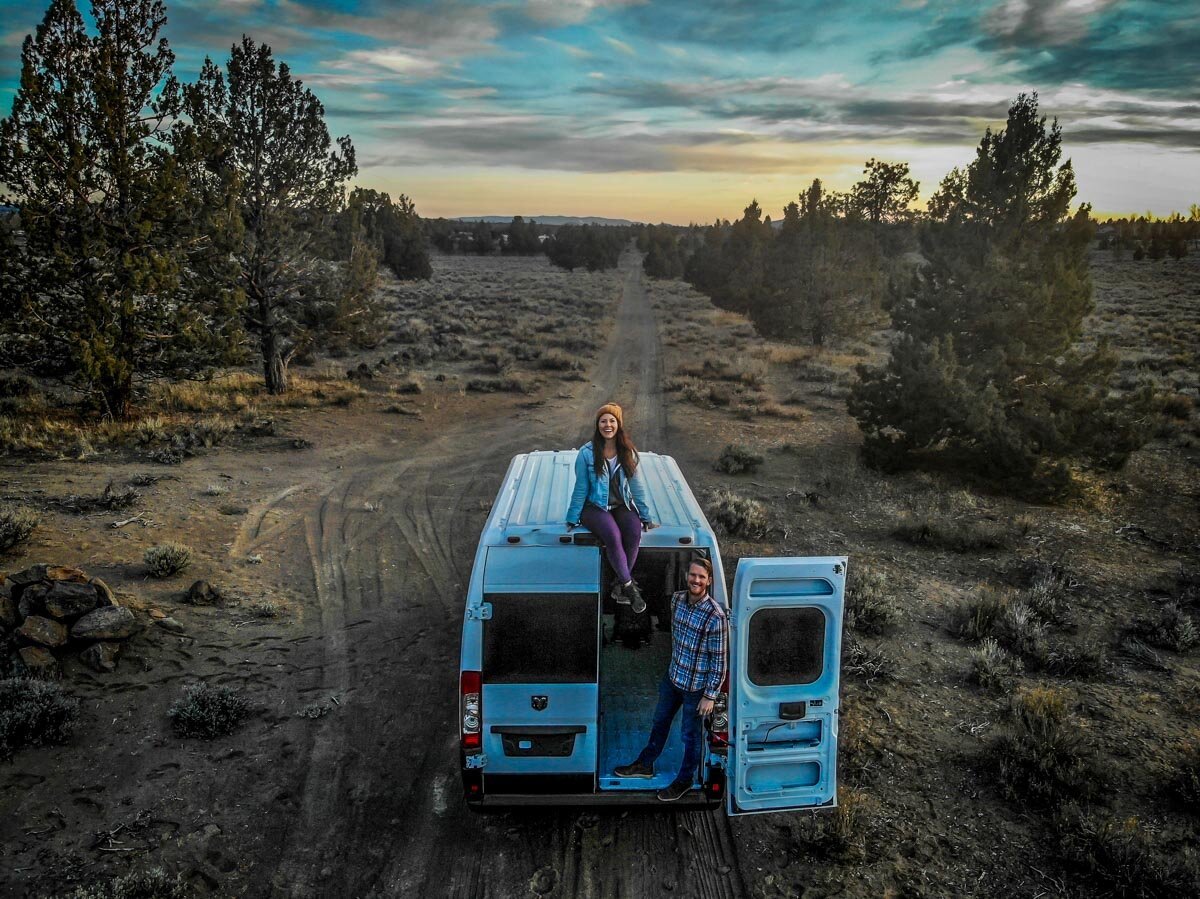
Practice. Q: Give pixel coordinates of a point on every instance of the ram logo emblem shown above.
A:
(539, 703)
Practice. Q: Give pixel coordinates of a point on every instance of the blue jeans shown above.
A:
(670, 699)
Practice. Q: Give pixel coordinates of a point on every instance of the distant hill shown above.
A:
(547, 219)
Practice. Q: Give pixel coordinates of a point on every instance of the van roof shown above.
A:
(537, 489)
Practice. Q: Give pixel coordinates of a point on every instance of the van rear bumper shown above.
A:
(517, 791)
(693, 801)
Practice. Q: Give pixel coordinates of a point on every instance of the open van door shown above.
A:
(785, 648)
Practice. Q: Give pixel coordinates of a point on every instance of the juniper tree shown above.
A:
(97, 293)
(986, 372)
(262, 136)
(822, 272)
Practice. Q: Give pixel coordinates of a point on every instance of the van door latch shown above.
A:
(481, 612)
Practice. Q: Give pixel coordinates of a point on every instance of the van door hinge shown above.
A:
(478, 760)
(481, 612)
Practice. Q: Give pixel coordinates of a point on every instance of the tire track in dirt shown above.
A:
(380, 810)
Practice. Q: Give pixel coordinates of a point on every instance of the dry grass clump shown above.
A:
(208, 712)
(958, 535)
(1170, 628)
(870, 606)
(976, 618)
(17, 525)
(866, 663)
(748, 372)
(737, 458)
(410, 384)
(737, 516)
(167, 559)
(512, 383)
(230, 392)
(34, 713)
(1043, 758)
(993, 667)
(838, 834)
(153, 883)
(1124, 858)
(559, 360)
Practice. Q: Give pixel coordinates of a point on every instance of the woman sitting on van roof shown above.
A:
(610, 501)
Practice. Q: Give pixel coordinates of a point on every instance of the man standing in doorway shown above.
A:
(698, 655)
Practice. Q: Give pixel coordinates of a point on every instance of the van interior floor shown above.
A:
(629, 681)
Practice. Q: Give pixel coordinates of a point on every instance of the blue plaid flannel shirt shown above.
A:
(698, 650)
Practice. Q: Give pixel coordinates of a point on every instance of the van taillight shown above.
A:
(720, 715)
(471, 698)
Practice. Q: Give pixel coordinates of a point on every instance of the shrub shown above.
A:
(870, 607)
(411, 384)
(737, 516)
(1043, 759)
(17, 385)
(153, 883)
(557, 360)
(866, 663)
(34, 713)
(1121, 857)
(954, 535)
(976, 618)
(1172, 628)
(505, 384)
(207, 712)
(1143, 654)
(993, 666)
(1047, 597)
(167, 559)
(737, 458)
(16, 526)
(1019, 630)
(1085, 659)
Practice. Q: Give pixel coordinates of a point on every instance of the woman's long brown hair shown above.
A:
(626, 452)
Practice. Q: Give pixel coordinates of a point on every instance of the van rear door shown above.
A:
(785, 642)
(540, 660)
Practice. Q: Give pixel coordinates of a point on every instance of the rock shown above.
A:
(30, 602)
(106, 623)
(27, 576)
(9, 617)
(5, 586)
(202, 593)
(157, 613)
(170, 624)
(42, 631)
(63, 573)
(101, 656)
(104, 593)
(70, 599)
(39, 662)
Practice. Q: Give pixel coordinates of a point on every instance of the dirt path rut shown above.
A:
(376, 808)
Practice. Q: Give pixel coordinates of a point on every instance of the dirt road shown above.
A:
(375, 809)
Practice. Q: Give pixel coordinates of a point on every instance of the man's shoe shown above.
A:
(619, 593)
(676, 790)
(635, 600)
(637, 769)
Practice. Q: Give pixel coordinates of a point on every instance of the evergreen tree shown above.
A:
(662, 258)
(885, 194)
(744, 257)
(985, 372)
(269, 148)
(822, 272)
(98, 290)
(393, 228)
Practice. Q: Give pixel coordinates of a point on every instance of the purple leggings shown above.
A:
(621, 533)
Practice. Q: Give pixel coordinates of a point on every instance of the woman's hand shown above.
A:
(571, 527)
(649, 525)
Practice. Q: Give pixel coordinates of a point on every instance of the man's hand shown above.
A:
(704, 709)
(649, 525)
(571, 527)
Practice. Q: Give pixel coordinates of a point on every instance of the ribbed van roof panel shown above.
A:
(539, 486)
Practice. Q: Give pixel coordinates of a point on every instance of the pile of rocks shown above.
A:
(47, 611)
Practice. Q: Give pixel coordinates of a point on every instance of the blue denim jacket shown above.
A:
(593, 489)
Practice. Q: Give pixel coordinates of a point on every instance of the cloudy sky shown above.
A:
(684, 111)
